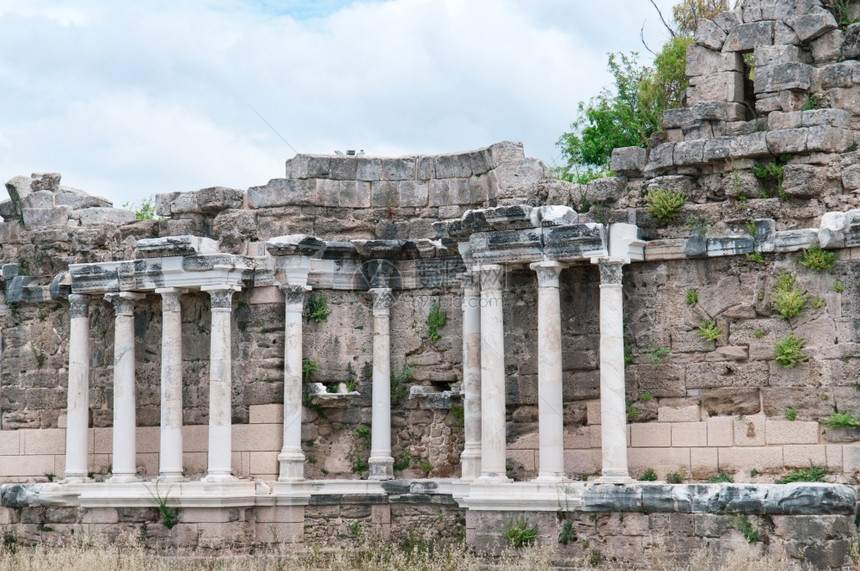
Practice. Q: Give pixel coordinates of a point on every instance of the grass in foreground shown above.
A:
(378, 556)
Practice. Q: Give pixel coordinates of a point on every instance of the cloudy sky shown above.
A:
(131, 98)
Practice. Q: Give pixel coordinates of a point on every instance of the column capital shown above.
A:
(470, 283)
(294, 293)
(79, 305)
(492, 277)
(221, 297)
(547, 272)
(123, 302)
(383, 299)
(611, 271)
(170, 298)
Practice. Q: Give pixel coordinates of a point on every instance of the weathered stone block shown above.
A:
(215, 199)
(605, 190)
(680, 413)
(778, 54)
(689, 434)
(415, 194)
(851, 177)
(828, 47)
(660, 157)
(41, 217)
(723, 86)
(745, 37)
(759, 457)
(842, 74)
(703, 61)
(452, 166)
(750, 430)
(652, 434)
(800, 455)
(791, 432)
(283, 192)
(794, 240)
(851, 42)
(811, 26)
(689, 152)
(716, 149)
(710, 35)
(783, 76)
(730, 401)
(786, 141)
(804, 181)
(628, 160)
(752, 145)
(828, 139)
(720, 431)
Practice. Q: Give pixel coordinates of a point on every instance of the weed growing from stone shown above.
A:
(649, 475)
(709, 331)
(645, 397)
(403, 460)
(748, 530)
(664, 204)
(758, 333)
(722, 478)
(436, 319)
(425, 465)
(519, 534)
(838, 287)
(691, 297)
(398, 383)
(771, 175)
(811, 103)
(676, 477)
(841, 420)
(167, 514)
(50, 476)
(812, 474)
(567, 534)
(309, 370)
(657, 354)
(632, 411)
(699, 225)
(788, 299)
(756, 257)
(789, 352)
(790, 414)
(458, 415)
(317, 308)
(751, 229)
(817, 260)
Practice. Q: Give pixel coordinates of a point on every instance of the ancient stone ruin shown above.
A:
(440, 344)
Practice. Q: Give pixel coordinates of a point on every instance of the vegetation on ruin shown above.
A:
(567, 534)
(817, 259)
(691, 297)
(399, 381)
(841, 420)
(790, 413)
(656, 355)
(649, 475)
(309, 370)
(676, 477)
(317, 308)
(168, 516)
(771, 175)
(756, 257)
(436, 319)
(748, 530)
(841, 10)
(812, 474)
(838, 287)
(788, 298)
(143, 211)
(722, 477)
(664, 204)
(789, 352)
(709, 331)
(519, 534)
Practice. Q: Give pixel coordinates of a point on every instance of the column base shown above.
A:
(170, 477)
(618, 480)
(218, 478)
(493, 479)
(470, 465)
(122, 478)
(292, 466)
(551, 479)
(381, 468)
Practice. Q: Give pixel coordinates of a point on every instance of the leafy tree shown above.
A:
(631, 112)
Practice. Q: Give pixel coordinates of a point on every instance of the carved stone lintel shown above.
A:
(221, 298)
(547, 272)
(79, 305)
(610, 271)
(383, 299)
(294, 294)
(492, 277)
(123, 302)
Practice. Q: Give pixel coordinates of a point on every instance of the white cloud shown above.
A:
(129, 99)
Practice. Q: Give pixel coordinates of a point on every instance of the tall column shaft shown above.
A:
(550, 399)
(170, 457)
(291, 458)
(613, 412)
(381, 462)
(220, 387)
(78, 393)
(493, 445)
(470, 459)
(124, 401)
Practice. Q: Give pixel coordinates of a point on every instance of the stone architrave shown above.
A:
(220, 385)
(291, 458)
(550, 400)
(493, 443)
(124, 406)
(470, 459)
(381, 462)
(78, 394)
(170, 453)
(613, 410)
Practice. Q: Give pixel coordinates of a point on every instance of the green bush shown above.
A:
(788, 299)
(436, 319)
(676, 477)
(519, 534)
(709, 330)
(817, 260)
(664, 204)
(317, 308)
(789, 351)
(649, 475)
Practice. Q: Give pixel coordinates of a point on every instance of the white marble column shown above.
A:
(470, 459)
(381, 462)
(291, 458)
(124, 401)
(78, 391)
(493, 442)
(220, 386)
(170, 453)
(613, 412)
(550, 400)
